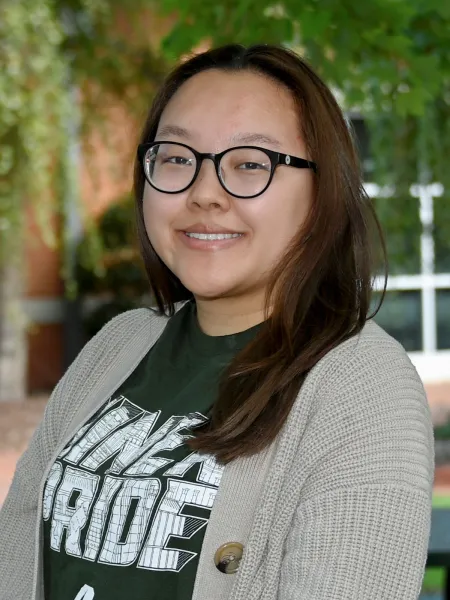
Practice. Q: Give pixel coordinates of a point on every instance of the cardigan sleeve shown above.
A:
(367, 542)
(18, 516)
(362, 524)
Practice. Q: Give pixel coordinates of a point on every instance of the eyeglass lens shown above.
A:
(243, 171)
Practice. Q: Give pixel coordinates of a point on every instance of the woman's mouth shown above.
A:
(209, 241)
(213, 236)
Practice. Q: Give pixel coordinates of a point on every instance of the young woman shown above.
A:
(255, 437)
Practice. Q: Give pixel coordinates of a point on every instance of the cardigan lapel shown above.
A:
(130, 355)
(240, 491)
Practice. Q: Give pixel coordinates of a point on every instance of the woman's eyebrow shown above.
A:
(256, 138)
(174, 130)
(239, 138)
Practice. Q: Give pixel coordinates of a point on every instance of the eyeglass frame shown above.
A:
(276, 159)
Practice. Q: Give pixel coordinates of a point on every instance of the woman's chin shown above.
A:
(208, 294)
(207, 291)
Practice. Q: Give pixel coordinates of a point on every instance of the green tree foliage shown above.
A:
(117, 280)
(402, 229)
(119, 271)
(33, 109)
(442, 232)
(57, 56)
(387, 59)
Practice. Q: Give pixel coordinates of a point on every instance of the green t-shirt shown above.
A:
(127, 502)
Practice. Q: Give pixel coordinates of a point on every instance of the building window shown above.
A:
(443, 320)
(401, 315)
(416, 310)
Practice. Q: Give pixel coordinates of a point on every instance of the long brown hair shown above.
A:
(320, 292)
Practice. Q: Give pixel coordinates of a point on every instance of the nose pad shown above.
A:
(204, 169)
(221, 175)
(207, 189)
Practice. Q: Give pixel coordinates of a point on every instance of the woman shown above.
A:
(255, 437)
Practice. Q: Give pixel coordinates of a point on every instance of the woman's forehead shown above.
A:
(244, 106)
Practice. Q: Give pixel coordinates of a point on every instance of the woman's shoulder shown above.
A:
(132, 330)
(128, 322)
(371, 367)
(123, 331)
(125, 325)
(123, 338)
(369, 350)
(364, 411)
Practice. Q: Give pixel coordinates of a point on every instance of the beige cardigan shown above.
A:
(337, 508)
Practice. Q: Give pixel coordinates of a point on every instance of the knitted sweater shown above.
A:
(338, 507)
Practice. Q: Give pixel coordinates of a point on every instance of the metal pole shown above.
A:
(429, 334)
(73, 331)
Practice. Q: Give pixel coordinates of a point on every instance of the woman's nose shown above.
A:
(206, 191)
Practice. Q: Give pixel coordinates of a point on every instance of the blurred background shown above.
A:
(76, 80)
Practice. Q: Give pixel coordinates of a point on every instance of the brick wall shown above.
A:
(105, 177)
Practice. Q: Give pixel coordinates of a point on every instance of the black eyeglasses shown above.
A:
(243, 171)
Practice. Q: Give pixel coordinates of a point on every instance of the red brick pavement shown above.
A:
(18, 421)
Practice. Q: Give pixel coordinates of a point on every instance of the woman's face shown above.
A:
(211, 112)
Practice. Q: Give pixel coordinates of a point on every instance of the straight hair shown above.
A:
(319, 293)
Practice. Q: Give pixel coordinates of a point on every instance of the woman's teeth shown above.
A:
(213, 236)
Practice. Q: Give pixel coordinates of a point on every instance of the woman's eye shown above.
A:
(177, 160)
(252, 166)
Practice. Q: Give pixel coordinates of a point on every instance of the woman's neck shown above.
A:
(223, 316)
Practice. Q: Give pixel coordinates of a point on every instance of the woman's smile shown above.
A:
(210, 241)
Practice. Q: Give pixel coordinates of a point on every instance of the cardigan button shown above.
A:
(228, 557)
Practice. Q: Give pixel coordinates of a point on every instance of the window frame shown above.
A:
(433, 364)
